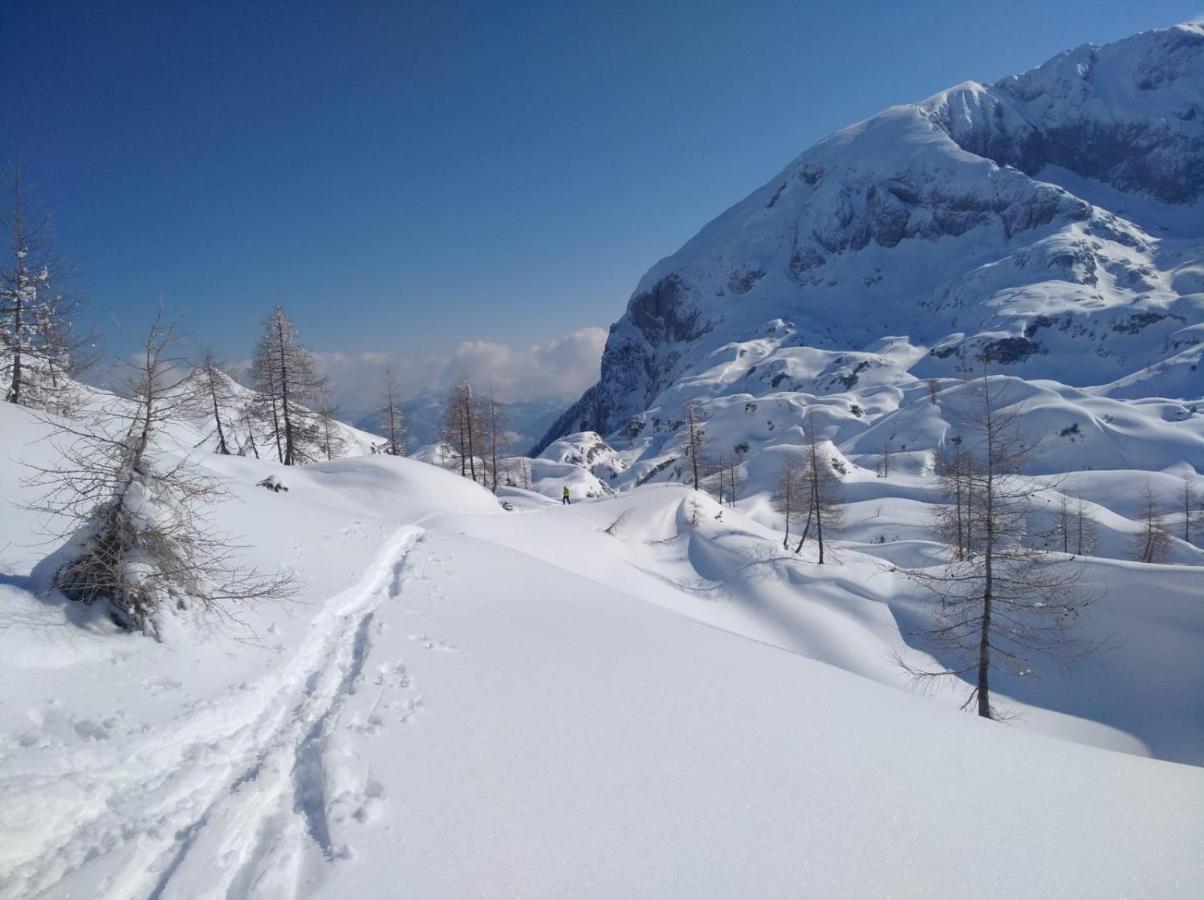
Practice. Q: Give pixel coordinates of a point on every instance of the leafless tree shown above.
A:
(1153, 542)
(1074, 531)
(329, 437)
(694, 448)
(213, 395)
(495, 439)
(286, 377)
(465, 432)
(247, 415)
(999, 601)
(789, 497)
(1064, 526)
(956, 469)
(40, 351)
(733, 477)
(391, 417)
(1086, 534)
(1193, 510)
(140, 539)
(821, 493)
(886, 453)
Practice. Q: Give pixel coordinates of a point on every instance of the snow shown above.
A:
(643, 693)
(599, 699)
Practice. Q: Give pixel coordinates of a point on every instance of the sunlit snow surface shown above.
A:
(468, 701)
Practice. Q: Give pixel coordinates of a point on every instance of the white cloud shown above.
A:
(558, 368)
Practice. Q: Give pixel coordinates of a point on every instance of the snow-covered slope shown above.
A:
(600, 699)
(1052, 223)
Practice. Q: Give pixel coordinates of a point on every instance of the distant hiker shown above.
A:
(564, 496)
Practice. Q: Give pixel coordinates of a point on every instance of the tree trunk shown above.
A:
(289, 444)
(221, 435)
(819, 514)
(14, 391)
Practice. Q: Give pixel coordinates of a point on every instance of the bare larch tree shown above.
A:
(286, 377)
(213, 396)
(999, 600)
(464, 431)
(330, 437)
(694, 448)
(821, 491)
(495, 437)
(391, 419)
(1153, 542)
(788, 499)
(1193, 510)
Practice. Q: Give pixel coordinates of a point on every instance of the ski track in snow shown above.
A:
(244, 791)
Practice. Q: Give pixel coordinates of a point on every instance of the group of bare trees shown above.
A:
(1152, 543)
(135, 513)
(474, 435)
(1001, 600)
(1074, 530)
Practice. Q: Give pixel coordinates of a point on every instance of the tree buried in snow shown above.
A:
(999, 601)
(140, 539)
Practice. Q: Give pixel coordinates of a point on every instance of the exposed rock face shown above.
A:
(1050, 224)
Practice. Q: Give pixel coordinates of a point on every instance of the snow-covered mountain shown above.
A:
(1051, 223)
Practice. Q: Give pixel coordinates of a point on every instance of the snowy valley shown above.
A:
(611, 668)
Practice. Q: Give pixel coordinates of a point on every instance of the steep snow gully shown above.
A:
(242, 796)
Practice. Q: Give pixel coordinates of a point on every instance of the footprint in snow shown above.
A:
(392, 675)
(432, 644)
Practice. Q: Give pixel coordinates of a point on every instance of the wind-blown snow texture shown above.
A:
(594, 700)
(1052, 222)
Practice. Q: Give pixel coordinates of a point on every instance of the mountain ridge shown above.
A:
(1051, 223)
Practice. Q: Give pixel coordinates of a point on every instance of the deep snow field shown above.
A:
(599, 700)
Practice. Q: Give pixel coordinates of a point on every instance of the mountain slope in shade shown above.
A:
(1051, 223)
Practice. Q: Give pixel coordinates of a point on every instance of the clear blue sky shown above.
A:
(404, 176)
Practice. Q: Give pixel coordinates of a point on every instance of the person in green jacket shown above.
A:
(564, 496)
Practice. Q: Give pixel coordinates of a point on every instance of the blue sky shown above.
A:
(464, 181)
